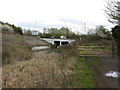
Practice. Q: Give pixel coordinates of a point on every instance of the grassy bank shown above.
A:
(83, 76)
(14, 48)
(44, 70)
(17, 47)
(85, 71)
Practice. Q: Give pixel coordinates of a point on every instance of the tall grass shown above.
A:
(14, 48)
(45, 70)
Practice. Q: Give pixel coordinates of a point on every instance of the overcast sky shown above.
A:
(37, 14)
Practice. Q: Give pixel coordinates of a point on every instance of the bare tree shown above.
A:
(113, 11)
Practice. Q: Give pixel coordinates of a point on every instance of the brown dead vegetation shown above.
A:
(45, 70)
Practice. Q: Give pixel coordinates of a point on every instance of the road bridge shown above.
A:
(58, 42)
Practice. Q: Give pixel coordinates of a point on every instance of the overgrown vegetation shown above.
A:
(45, 70)
(14, 47)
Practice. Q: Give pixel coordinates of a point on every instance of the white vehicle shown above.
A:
(62, 37)
(113, 74)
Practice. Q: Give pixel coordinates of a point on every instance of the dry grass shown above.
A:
(18, 47)
(14, 48)
(34, 41)
(43, 71)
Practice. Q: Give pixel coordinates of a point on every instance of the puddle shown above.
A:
(40, 48)
(113, 74)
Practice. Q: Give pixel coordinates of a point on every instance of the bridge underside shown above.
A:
(60, 43)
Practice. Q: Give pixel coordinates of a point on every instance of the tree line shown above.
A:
(56, 33)
(15, 28)
(99, 32)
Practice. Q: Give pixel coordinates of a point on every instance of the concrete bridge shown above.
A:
(58, 42)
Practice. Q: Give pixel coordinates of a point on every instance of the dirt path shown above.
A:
(109, 64)
(106, 64)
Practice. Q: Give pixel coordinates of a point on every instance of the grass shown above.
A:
(95, 53)
(95, 62)
(34, 41)
(14, 48)
(44, 71)
(83, 76)
(18, 47)
(87, 68)
(95, 50)
(99, 48)
(24, 69)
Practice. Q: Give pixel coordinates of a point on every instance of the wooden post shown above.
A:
(113, 49)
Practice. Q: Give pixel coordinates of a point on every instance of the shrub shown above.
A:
(6, 29)
(28, 32)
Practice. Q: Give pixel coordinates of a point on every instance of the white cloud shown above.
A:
(40, 13)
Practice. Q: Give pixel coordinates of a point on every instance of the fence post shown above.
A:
(113, 48)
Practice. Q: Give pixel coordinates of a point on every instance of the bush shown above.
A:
(68, 50)
(6, 29)
(16, 29)
(28, 32)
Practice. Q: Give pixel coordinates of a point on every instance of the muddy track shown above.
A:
(106, 64)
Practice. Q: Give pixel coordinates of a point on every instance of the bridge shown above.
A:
(58, 42)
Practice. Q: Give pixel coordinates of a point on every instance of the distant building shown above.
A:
(35, 32)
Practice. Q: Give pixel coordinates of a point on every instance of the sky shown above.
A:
(79, 15)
